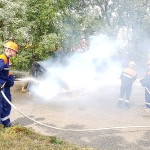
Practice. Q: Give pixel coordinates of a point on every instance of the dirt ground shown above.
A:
(88, 109)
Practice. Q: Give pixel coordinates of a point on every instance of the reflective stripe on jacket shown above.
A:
(128, 75)
(4, 70)
(130, 72)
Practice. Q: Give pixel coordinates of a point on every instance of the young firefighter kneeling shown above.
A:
(6, 81)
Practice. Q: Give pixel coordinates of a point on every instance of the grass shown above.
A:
(22, 138)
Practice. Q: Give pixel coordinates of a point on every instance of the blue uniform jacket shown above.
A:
(5, 75)
(146, 80)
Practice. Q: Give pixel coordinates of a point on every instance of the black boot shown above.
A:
(8, 125)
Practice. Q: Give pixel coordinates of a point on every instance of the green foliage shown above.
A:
(41, 27)
(41, 17)
(31, 24)
(54, 140)
(47, 46)
(23, 60)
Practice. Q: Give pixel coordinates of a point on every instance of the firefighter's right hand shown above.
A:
(10, 81)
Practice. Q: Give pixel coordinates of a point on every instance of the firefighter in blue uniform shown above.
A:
(146, 84)
(127, 77)
(6, 81)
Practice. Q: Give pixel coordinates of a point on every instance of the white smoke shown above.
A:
(87, 70)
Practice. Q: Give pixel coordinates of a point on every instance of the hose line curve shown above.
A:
(65, 129)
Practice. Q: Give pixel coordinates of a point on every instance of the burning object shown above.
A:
(39, 72)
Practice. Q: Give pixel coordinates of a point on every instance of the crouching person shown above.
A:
(6, 81)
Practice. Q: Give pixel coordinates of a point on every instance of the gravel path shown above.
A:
(88, 110)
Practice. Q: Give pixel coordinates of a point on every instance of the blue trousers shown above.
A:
(147, 97)
(125, 91)
(5, 108)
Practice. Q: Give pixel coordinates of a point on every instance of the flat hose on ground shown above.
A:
(64, 129)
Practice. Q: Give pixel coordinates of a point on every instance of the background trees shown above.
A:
(41, 27)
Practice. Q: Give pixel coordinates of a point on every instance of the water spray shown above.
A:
(28, 79)
(64, 129)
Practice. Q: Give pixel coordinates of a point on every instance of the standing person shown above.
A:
(6, 81)
(146, 84)
(127, 77)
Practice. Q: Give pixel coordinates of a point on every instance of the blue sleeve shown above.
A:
(145, 81)
(2, 64)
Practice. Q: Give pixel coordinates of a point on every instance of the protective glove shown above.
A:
(10, 81)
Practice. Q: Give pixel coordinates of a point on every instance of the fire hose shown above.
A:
(147, 90)
(65, 129)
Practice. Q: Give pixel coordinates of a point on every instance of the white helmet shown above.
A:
(131, 64)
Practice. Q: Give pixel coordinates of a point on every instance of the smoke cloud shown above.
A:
(97, 66)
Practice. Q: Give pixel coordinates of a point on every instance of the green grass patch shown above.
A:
(22, 138)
